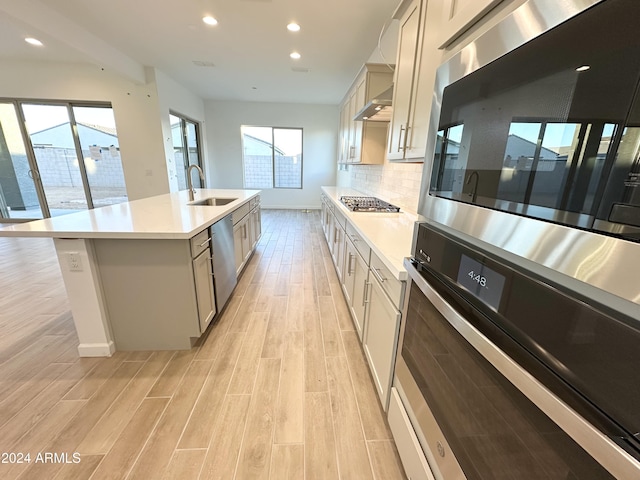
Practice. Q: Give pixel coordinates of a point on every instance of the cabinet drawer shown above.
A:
(240, 212)
(391, 285)
(254, 201)
(200, 243)
(358, 242)
(413, 459)
(341, 220)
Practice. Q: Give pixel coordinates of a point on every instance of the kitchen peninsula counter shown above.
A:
(139, 274)
(166, 216)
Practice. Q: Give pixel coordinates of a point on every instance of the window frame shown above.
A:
(18, 104)
(185, 145)
(273, 157)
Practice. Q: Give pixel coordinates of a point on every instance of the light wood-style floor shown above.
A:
(279, 388)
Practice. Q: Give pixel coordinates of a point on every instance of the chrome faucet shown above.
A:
(192, 191)
(474, 192)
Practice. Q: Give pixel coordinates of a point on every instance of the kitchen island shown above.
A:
(134, 272)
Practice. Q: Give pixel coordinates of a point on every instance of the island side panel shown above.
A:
(82, 282)
(149, 291)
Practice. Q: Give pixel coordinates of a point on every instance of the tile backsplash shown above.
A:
(397, 183)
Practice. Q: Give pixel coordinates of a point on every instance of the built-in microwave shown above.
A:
(551, 130)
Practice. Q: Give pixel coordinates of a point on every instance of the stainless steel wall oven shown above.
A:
(493, 358)
(521, 328)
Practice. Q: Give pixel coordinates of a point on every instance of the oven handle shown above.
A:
(599, 446)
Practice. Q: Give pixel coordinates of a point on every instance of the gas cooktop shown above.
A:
(367, 204)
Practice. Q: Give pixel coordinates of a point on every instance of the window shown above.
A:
(272, 157)
(185, 135)
(57, 158)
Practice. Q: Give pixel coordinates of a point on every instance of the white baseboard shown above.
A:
(96, 349)
(289, 207)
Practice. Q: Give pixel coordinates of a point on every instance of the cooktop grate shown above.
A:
(367, 204)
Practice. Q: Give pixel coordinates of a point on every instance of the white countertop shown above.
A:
(388, 234)
(166, 216)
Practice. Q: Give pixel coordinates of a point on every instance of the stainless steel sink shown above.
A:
(212, 202)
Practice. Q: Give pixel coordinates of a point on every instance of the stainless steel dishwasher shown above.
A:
(224, 268)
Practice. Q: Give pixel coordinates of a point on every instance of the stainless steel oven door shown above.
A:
(478, 414)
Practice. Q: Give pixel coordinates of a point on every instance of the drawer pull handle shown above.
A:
(205, 242)
(400, 148)
(376, 271)
(365, 300)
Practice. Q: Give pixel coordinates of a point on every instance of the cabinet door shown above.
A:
(355, 133)
(331, 234)
(357, 101)
(338, 252)
(358, 307)
(381, 339)
(424, 75)
(258, 223)
(237, 246)
(335, 239)
(203, 277)
(403, 81)
(345, 122)
(256, 227)
(246, 238)
(348, 276)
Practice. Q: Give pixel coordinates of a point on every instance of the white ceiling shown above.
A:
(249, 47)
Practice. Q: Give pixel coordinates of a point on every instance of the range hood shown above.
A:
(378, 109)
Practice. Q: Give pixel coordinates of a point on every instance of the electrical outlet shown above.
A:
(73, 259)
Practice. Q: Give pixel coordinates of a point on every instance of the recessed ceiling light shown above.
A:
(583, 68)
(295, 55)
(33, 41)
(293, 27)
(209, 20)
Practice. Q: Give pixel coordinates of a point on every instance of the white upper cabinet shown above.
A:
(363, 142)
(459, 15)
(406, 64)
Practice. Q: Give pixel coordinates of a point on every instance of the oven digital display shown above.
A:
(481, 281)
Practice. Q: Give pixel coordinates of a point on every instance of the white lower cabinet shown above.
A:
(338, 253)
(337, 245)
(242, 240)
(380, 337)
(374, 295)
(202, 275)
(356, 274)
(413, 459)
(256, 226)
(238, 233)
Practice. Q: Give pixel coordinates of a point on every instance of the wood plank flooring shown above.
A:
(277, 389)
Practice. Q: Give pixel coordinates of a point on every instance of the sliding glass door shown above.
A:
(57, 158)
(53, 142)
(186, 148)
(98, 138)
(18, 193)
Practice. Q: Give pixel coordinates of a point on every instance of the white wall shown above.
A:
(320, 134)
(176, 98)
(138, 111)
